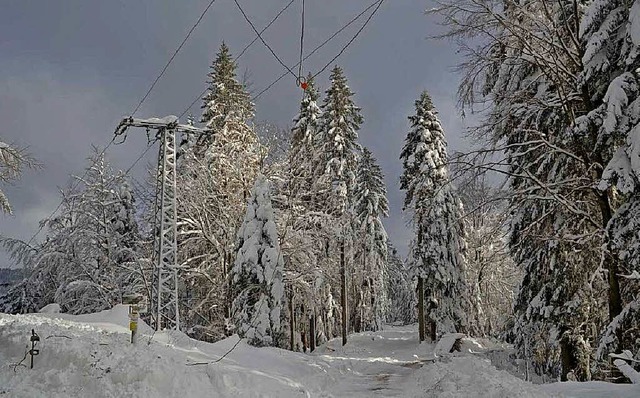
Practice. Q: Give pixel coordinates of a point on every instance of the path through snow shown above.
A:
(89, 356)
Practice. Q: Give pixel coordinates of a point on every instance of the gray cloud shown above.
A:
(71, 69)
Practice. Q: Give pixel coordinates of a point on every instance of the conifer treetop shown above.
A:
(226, 97)
(424, 154)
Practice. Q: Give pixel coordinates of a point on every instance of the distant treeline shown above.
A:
(9, 276)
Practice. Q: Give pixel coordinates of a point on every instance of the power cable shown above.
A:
(301, 45)
(262, 39)
(173, 57)
(351, 22)
(244, 50)
(352, 39)
(149, 146)
(255, 39)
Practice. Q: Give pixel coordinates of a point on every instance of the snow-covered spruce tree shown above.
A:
(12, 161)
(401, 289)
(226, 98)
(337, 145)
(305, 227)
(370, 206)
(524, 71)
(89, 259)
(336, 161)
(610, 32)
(257, 274)
(303, 155)
(216, 176)
(436, 214)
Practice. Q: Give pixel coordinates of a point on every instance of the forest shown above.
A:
(531, 237)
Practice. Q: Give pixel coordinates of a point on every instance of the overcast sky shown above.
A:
(71, 69)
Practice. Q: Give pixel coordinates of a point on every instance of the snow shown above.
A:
(90, 355)
(50, 309)
(445, 343)
(634, 23)
(158, 120)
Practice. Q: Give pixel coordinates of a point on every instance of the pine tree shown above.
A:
(258, 271)
(370, 206)
(436, 216)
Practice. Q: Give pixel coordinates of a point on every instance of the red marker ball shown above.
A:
(304, 85)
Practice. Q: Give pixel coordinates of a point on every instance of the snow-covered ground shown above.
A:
(90, 356)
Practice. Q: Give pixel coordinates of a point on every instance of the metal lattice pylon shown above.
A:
(165, 281)
(164, 286)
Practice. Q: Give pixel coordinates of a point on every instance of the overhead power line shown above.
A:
(262, 39)
(244, 50)
(317, 48)
(301, 44)
(364, 25)
(172, 57)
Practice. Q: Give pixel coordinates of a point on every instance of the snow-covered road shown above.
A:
(90, 356)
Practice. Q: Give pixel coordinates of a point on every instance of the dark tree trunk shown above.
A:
(292, 322)
(312, 333)
(567, 357)
(421, 326)
(343, 278)
(615, 299)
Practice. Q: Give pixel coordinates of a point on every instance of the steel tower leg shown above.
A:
(165, 278)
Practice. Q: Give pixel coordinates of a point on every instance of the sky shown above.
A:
(71, 69)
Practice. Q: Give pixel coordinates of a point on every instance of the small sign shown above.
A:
(138, 300)
(129, 299)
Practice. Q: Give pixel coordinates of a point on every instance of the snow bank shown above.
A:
(90, 356)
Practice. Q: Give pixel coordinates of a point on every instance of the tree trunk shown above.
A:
(432, 329)
(615, 299)
(343, 277)
(292, 322)
(312, 333)
(567, 357)
(421, 326)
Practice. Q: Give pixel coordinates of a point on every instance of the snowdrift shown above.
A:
(90, 356)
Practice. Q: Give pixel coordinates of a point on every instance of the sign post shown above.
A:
(136, 305)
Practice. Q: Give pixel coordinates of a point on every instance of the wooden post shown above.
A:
(343, 278)
(421, 326)
(292, 320)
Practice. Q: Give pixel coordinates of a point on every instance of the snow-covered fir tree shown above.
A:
(303, 155)
(528, 74)
(337, 145)
(436, 215)
(335, 163)
(257, 275)
(610, 32)
(370, 206)
(226, 99)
